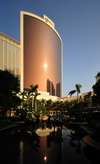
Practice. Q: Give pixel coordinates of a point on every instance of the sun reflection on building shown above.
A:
(41, 46)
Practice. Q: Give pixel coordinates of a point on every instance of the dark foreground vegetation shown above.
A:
(16, 106)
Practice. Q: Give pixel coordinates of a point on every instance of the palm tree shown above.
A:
(34, 93)
(35, 102)
(25, 98)
(23, 95)
(88, 97)
(97, 77)
(78, 86)
(43, 101)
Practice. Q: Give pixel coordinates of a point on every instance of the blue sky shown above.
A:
(77, 22)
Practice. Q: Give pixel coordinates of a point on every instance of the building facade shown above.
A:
(41, 54)
(9, 54)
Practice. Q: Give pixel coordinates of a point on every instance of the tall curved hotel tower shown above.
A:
(41, 54)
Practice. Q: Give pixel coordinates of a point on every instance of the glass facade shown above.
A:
(42, 54)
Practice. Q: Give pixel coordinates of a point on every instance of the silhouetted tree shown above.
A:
(96, 90)
(9, 87)
(78, 86)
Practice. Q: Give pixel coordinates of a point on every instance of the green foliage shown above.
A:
(49, 104)
(14, 118)
(78, 86)
(41, 110)
(98, 75)
(5, 123)
(96, 90)
(8, 83)
(21, 113)
(97, 127)
(87, 98)
(37, 113)
(33, 93)
(76, 110)
(72, 92)
(9, 87)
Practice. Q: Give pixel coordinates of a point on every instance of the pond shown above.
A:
(45, 145)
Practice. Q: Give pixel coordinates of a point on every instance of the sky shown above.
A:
(77, 22)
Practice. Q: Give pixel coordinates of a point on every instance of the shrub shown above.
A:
(5, 123)
(97, 127)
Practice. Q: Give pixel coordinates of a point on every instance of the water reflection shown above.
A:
(21, 152)
(75, 139)
(92, 154)
(45, 158)
(45, 143)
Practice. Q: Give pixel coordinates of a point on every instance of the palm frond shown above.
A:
(71, 92)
